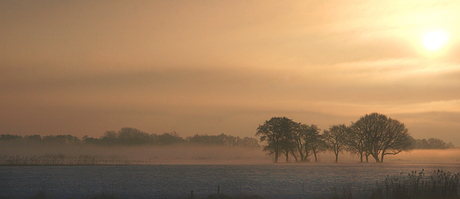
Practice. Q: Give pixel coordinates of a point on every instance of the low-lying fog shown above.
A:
(192, 154)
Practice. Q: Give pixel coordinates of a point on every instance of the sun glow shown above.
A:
(435, 39)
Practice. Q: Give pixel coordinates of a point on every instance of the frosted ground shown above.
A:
(177, 181)
(172, 172)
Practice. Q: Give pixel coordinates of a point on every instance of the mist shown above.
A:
(417, 156)
(194, 154)
(174, 154)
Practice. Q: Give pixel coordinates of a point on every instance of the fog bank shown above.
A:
(174, 154)
(195, 154)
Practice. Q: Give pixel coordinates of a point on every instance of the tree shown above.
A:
(439, 144)
(132, 136)
(432, 143)
(278, 133)
(249, 142)
(223, 140)
(168, 138)
(90, 140)
(109, 138)
(307, 140)
(396, 138)
(8, 137)
(336, 139)
(357, 142)
(382, 135)
(301, 138)
(422, 144)
(317, 143)
(33, 138)
(66, 139)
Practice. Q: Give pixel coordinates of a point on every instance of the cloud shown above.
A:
(206, 66)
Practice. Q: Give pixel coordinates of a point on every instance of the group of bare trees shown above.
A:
(374, 135)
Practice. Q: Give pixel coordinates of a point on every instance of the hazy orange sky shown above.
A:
(211, 67)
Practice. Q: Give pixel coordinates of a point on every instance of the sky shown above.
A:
(212, 67)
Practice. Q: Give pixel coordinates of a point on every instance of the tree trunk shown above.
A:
(367, 157)
(376, 157)
(361, 156)
(316, 158)
(287, 156)
(304, 157)
(336, 157)
(381, 158)
(301, 155)
(295, 157)
(276, 156)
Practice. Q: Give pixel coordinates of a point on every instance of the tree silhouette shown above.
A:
(317, 143)
(432, 143)
(223, 140)
(278, 132)
(132, 136)
(382, 135)
(109, 138)
(168, 139)
(300, 139)
(249, 142)
(357, 142)
(336, 139)
(34, 138)
(307, 140)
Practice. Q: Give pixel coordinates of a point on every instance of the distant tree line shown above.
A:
(373, 135)
(134, 137)
(432, 143)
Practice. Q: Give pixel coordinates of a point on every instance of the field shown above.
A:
(177, 181)
(174, 172)
(17, 155)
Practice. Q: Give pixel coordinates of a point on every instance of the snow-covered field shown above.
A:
(310, 180)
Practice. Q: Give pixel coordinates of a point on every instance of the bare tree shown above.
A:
(278, 133)
(314, 142)
(302, 138)
(395, 140)
(336, 139)
(382, 135)
(357, 142)
(317, 144)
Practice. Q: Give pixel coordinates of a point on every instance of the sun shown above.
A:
(434, 39)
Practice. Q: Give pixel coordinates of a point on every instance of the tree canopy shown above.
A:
(382, 135)
(278, 132)
(336, 139)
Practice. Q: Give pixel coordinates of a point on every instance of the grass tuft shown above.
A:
(419, 185)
